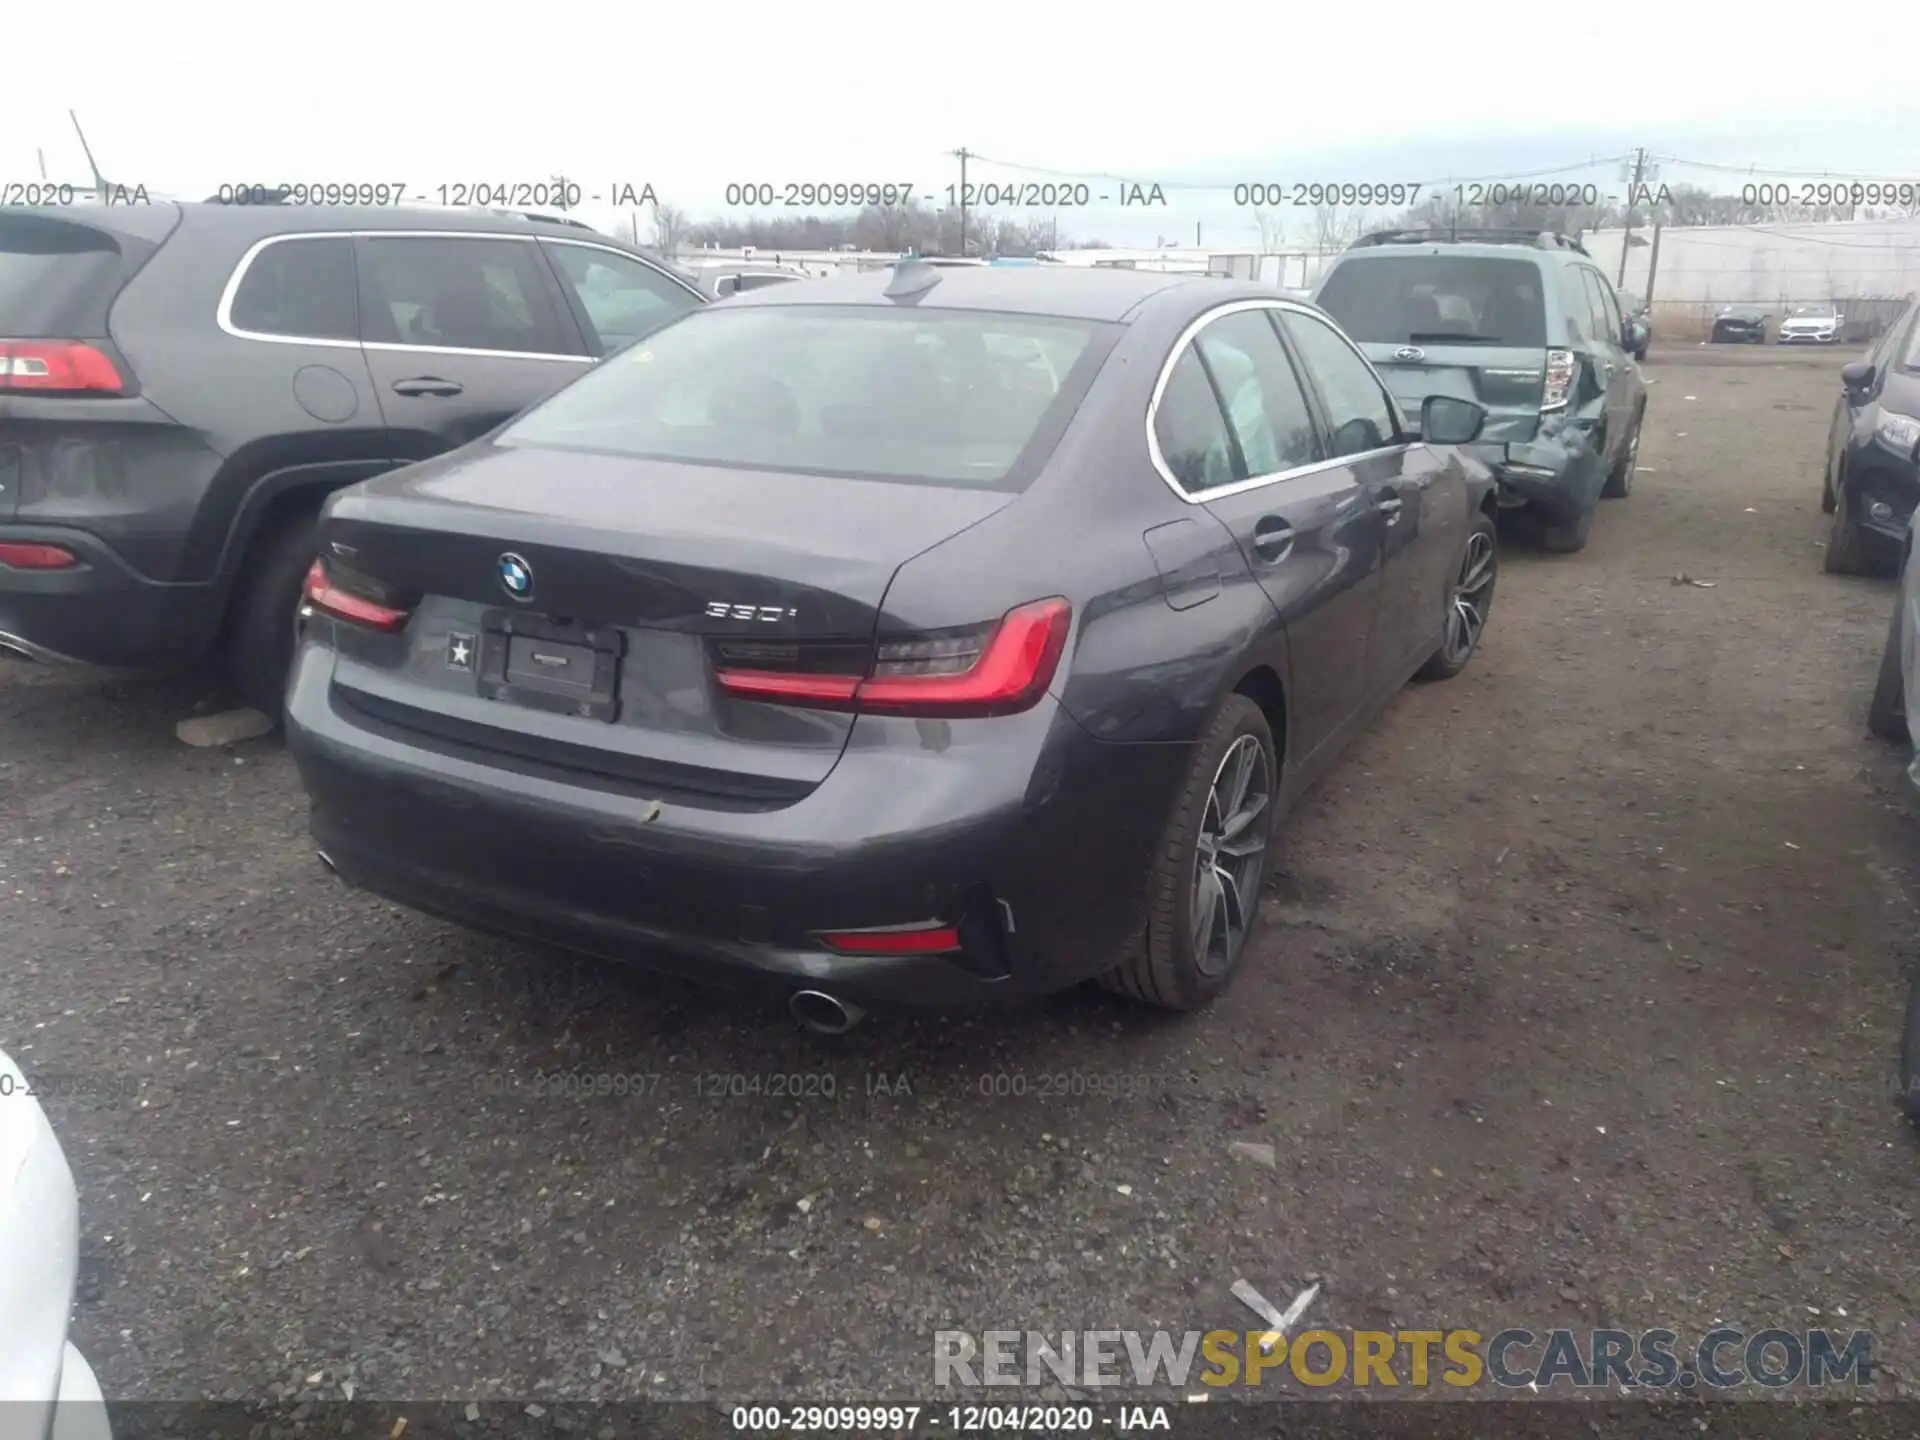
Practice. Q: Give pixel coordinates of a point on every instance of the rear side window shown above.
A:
(622, 298)
(458, 293)
(1358, 410)
(56, 279)
(929, 396)
(1438, 300)
(1266, 409)
(1191, 430)
(299, 289)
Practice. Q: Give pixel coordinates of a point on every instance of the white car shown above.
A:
(47, 1389)
(1809, 325)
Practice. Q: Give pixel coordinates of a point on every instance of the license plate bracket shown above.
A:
(555, 666)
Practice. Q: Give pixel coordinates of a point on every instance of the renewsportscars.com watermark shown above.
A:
(1513, 1359)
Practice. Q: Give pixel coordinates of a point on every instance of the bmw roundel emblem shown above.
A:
(516, 576)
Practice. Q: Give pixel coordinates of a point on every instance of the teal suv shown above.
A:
(1523, 324)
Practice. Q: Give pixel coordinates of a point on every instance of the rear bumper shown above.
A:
(1028, 834)
(101, 612)
(1556, 473)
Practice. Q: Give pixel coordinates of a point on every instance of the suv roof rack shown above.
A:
(1473, 235)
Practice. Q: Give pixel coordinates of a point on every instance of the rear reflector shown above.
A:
(36, 557)
(330, 599)
(57, 366)
(995, 669)
(913, 940)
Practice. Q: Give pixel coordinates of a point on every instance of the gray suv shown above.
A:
(182, 385)
(1523, 324)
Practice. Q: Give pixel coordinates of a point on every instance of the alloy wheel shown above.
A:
(1231, 855)
(1467, 611)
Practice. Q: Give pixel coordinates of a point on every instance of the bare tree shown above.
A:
(1273, 230)
(670, 228)
(561, 189)
(1336, 226)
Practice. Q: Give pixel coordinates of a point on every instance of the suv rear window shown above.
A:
(935, 397)
(1438, 299)
(56, 279)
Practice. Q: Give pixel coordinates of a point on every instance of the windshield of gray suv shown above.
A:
(1438, 300)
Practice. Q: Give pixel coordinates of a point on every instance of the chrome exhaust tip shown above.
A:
(823, 1014)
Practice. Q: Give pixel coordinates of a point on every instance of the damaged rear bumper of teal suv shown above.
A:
(1558, 472)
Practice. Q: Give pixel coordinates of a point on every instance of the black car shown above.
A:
(1740, 325)
(1523, 323)
(930, 637)
(1872, 476)
(182, 385)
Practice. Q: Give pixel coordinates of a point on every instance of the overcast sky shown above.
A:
(186, 97)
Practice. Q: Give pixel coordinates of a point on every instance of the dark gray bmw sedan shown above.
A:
(922, 638)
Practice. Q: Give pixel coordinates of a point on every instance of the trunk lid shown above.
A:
(1507, 380)
(639, 571)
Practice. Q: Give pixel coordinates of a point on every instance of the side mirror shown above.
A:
(1637, 332)
(1445, 420)
(1858, 376)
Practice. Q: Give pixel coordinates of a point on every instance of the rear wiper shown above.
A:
(1444, 337)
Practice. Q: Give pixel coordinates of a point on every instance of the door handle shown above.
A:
(1389, 506)
(1272, 538)
(427, 385)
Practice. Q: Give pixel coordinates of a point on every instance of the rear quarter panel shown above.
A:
(1136, 671)
(237, 398)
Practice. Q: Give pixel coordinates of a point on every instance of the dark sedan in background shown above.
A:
(1740, 325)
(1872, 476)
(932, 637)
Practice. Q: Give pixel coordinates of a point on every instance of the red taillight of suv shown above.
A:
(331, 596)
(998, 668)
(58, 367)
(20, 555)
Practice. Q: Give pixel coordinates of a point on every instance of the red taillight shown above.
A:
(328, 598)
(995, 670)
(903, 940)
(57, 365)
(36, 557)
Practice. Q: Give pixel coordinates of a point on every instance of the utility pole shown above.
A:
(961, 156)
(1653, 265)
(1633, 186)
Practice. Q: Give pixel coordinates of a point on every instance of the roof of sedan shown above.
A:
(1072, 292)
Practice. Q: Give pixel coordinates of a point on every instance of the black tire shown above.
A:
(1847, 552)
(1569, 538)
(1449, 659)
(260, 629)
(1620, 479)
(1910, 1054)
(1887, 711)
(1162, 963)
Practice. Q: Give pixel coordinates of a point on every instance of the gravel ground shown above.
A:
(1575, 1004)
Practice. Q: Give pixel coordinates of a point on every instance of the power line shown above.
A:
(1766, 170)
(1593, 163)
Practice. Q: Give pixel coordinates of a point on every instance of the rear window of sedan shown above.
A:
(928, 396)
(1438, 300)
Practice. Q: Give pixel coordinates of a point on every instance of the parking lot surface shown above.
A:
(1576, 1004)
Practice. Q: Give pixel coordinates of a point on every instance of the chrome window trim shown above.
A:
(223, 316)
(1255, 482)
